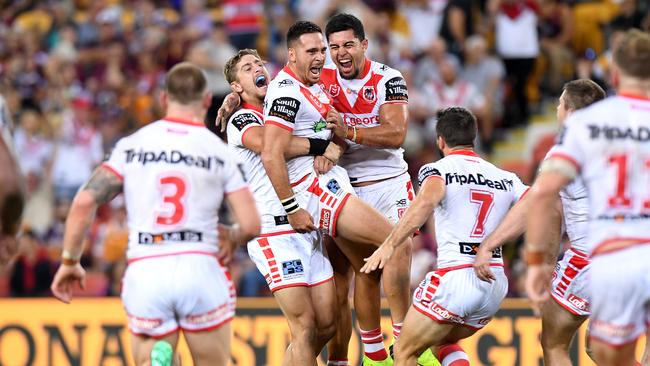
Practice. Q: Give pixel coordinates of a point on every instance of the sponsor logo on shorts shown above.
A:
(292, 269)
(578, 302)
(401, 203)
(325, 218)
(144, 323)
(333, 186)
(209, 317)
(175, 236)
(602, 328)
(445, 314)
(484, 321)
(472, 248)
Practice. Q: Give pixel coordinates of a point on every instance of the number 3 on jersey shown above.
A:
(172, 209)
(485, 200)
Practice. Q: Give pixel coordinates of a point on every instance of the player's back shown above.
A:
(477, 197)
(609, 142)
(175, 176)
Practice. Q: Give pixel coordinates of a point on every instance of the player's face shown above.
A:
(308, 56)
(348, 53)
(561, 111)
(252, 76)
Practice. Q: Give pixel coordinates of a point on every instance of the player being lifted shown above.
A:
(295, 265)
(562, 317)
(174, 174)
(469, 197)
(607, 146)
(372, 98)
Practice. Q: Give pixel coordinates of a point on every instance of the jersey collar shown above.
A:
(634, 96)
(465, 152)
(288, 71)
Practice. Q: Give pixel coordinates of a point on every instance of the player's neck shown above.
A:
(457, 150)
(294, 72)
(635, 88)
(252, 103)
(188, 113)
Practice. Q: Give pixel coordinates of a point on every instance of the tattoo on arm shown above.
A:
(103, 185)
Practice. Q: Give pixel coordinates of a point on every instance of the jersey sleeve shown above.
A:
(233, 176)
(430, 170)
(239, 124)
(568, 145)
(116, 159)
(519, 189)
(392, 88)
(282, 104)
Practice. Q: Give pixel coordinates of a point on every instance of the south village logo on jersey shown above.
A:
(171, 157)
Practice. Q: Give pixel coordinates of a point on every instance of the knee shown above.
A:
(404, 350)
(304, 329)
(327, 331)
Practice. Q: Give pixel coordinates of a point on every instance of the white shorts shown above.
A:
(192, 292)
(569, 287)
(391, 197)
(289, 260)
(323, 196)
(619, 285)
(457, 296)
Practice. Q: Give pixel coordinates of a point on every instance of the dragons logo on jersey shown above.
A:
(319, 125)
(334, 90)
(368, 94)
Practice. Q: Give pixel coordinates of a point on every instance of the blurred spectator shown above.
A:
(78, 150)
(458, 24)
(31, 271)
(424, 20)
(243, 19)
(630, 16)
(517, 42)
(555, 32)
(486, 72)
(428, 67)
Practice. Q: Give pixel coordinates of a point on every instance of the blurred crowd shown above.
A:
(76, 75)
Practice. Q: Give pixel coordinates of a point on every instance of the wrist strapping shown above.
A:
(317, 146)
(534, 258)
(69, 259)
(290, 205)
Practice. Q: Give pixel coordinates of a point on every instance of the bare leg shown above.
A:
(337, 348)
(607, 355)
(210, 347)
(296, 305)
(141, 347)
(558, 328)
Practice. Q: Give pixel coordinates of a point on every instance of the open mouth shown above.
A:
(261, 81)
(315, 71)
(346, 63)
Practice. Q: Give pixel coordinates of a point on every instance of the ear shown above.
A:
(163, 98)
(236, 87)
(364, 44)
(291, 55)
(441, 143)
(207, 99)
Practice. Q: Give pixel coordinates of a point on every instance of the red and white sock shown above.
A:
(397, 329)
(452, 355)
(373, 344)
(338, 362)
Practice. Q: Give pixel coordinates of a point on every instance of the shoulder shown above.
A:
(385, 71)
(243, 118)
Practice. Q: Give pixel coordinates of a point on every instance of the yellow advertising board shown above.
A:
(45, 332)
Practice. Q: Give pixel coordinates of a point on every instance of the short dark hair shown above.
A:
(342, 22)
(581, 93)
(230, 69)
(299, 28)
(632, 55)
(185, 83)
(457, 126)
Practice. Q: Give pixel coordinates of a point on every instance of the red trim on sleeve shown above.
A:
(271, 122)
(523, 194)
(112, 170)
(238, 190)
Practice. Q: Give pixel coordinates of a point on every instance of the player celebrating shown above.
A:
(606, 145)
(174, 174)
(372, 99)
(296, 104)
(295, 265)
(562, 317)
(451, 302)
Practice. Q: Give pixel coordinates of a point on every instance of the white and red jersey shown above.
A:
(575, 205)
(461, 93)
(358, 101)
(477, 197)
(609, 143)
(300, 109)
(175, 175)
(274, 218)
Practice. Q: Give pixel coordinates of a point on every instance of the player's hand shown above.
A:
(482, 265)
(301, 221)
(336, 124)
(378, 259)
(333, 152)
(227, 245)
(64, 280)
(322, 164)
(538, 283)
(230, 103)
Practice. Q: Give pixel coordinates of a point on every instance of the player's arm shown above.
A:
(277, 140)
(11, 202)
(298, 146)
(101, 188)
(242, 205)
(390, 133)
(431, 193)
